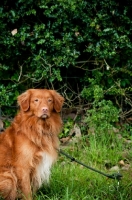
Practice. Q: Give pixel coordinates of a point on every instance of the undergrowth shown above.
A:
(71, 181)
(103, 146)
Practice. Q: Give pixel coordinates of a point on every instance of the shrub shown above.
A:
(48, 43)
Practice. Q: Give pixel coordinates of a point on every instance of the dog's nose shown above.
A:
(44, 109)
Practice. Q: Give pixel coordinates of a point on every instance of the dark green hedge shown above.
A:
(68, 45)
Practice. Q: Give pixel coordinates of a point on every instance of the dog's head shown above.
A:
(40, 102)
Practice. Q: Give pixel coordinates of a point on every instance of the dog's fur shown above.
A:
(28, 146)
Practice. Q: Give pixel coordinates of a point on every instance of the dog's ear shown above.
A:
(58, 100)
(23, 100)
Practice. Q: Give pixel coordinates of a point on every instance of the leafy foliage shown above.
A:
(103, 115)
(68, 125)
(48, 43)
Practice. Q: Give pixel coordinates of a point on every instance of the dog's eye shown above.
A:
(49, 100)
(36, 100)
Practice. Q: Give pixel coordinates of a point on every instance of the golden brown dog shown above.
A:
(28, 146)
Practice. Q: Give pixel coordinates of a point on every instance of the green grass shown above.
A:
(71, 181)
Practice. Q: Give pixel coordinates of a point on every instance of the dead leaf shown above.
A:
(128, 141)
(114, 168)
(65, 140)
(77, 34)
(77, 130)
(14, 31)
(121, 163)
(126, 167)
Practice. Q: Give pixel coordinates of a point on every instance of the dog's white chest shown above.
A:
(43, 169)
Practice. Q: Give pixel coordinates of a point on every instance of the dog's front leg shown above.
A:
(24, 186)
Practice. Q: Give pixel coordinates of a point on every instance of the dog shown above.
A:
(28, 148)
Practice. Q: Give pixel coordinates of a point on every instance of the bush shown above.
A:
(61, 44)
(101, 118)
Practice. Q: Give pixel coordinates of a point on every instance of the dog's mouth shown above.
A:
(44, 116)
